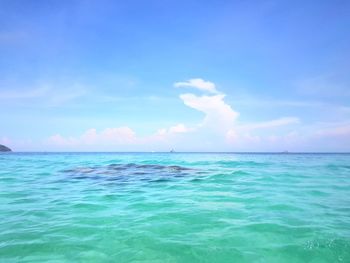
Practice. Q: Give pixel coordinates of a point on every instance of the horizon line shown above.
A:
(177, 152)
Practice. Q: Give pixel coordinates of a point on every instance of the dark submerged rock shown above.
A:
(129, 172)
(3, 148)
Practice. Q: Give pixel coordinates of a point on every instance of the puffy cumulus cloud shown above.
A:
(109, 136)
(218, 114)
(198, 84)
(218, 118)
(218, 128)
(221, 118)
(179, 128)
(120, 138)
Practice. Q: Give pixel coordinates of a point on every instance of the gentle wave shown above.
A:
(174, 208)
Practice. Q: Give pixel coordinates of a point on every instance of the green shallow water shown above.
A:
(119, 207)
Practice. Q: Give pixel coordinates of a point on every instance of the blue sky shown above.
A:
(188, 75)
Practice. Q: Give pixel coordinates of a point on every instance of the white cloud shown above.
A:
(198, 84)
(272, 123)
(221, 117)
(218, 114)
(179, 128)
(109, 136)
(119, 139)
(245, 133)
(219, 122)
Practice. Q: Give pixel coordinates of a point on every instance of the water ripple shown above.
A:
(174, 208)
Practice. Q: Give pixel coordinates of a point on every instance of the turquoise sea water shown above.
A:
(163, 207)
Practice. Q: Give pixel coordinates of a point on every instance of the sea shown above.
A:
(174, 207)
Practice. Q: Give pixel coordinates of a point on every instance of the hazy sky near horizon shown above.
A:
(189, 75)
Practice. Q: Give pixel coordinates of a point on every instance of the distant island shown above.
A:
(3, 148)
